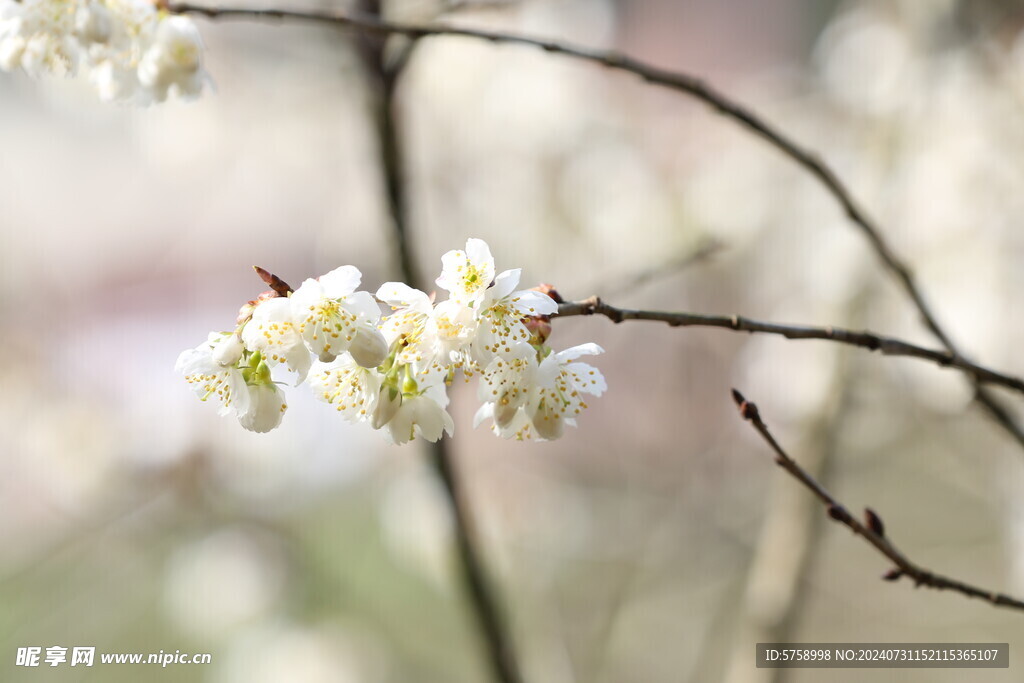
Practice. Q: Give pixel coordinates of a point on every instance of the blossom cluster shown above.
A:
(130, 50)
(393, 371)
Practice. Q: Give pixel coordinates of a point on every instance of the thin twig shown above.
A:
(888, 346)
(871, 530)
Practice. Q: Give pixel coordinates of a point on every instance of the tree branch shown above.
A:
(871, 530)
(499, 645)
(681, 82)
(888, 346)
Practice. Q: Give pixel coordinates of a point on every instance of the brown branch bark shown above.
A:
(501, 652)
(871, 529)
(888, 346)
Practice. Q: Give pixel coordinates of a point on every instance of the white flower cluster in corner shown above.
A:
(393, 371)
(129, 49)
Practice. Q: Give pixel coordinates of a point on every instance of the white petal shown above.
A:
(549, 370)
(504, 413)
(485, 411)
(401, 295)
(478, 252)
(504, 284)
(228, 350)
(400, 427)
(451, 263)
(588, 378)
(309, 293)
(589, 349)
(241, 400)
(429, 420)
(363, 305)
(341, 281)
(436, 389)
(299, 361)
(548, 428)
(535, 303)
(189, 361)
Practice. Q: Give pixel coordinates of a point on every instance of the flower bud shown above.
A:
(539, 327)
(369, 348)
(388, 402)
(266, 408)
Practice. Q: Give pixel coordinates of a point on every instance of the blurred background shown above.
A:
(657, 542)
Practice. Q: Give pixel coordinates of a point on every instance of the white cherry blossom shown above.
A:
(466, 275)
(173, 64)
(272, 332)
(506, 382)
(502, 311)
(429, 336)
(114, 35)
(128, 49)
(410, 327)
(244, 388)
(329, 312)
(349, 387)
(393, 373)
(38, 37)
(211, 379)
(422, 415)
(561, 381)
(554, 400)
(456, 327)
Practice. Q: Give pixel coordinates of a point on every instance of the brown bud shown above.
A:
(279, 286)
(539, 326)
(245, 312)
(748, 410)
(874, 522)
(893, 574)
(550, 290)
(837, 512)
